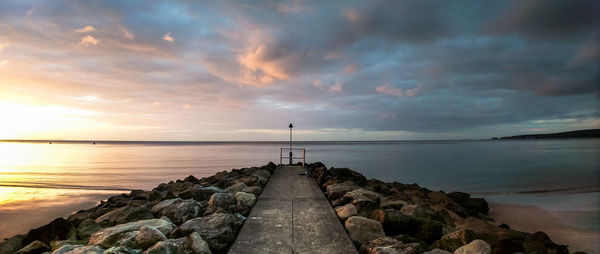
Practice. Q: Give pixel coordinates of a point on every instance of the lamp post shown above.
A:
(291, 126)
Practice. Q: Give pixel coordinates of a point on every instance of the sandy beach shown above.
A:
(529, 218)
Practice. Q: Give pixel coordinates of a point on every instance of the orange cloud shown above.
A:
(88, 40)
(85, 29)
(257, 67)
(336, 88)
(167, 37)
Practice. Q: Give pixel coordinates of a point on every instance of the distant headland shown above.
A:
(591, 133)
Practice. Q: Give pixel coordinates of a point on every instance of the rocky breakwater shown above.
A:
(385, 217)
(186, 216)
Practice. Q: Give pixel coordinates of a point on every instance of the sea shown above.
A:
(42, 180)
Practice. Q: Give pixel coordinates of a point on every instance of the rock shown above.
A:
(12, 244)
(475, 205)
(396, 222)
(204, 193)
(57, 244)
(390, 245)
(346, 211)
(218, 229)
(338, 190)
(362, 230)
(108, 237)
(121, 250)
(437, 251)
(236, 187)
(79, 249)
(245, 201)
(413, 210)
(475, 247)
(148, 236)
(224, 200)
(58, 229)
(34, 247)
(127, 239)
(455, 240)
(360, 194)
(86, 228)
(338, 175)
(392, 202)
(169, 246)
(508, 246)
(256, 190)
(248, 180)
(179, 210)
(262, 173)
(123, 215)
(196, 244)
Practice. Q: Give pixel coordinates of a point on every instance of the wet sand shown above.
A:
(529, 218)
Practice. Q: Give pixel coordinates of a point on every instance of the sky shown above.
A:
(339, 70)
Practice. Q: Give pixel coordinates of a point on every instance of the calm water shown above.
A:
(39, 181)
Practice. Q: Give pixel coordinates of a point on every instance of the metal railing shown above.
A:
(290, 155)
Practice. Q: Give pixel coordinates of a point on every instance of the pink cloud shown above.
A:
(387, 89)
(336, 88)
(350, 68)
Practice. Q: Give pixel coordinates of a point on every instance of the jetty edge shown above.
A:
(393, 217)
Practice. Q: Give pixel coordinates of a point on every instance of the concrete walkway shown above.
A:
(292, 216)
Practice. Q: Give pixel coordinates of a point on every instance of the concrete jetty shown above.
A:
(292, 216)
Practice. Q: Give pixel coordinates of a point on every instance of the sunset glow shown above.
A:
(226, 71)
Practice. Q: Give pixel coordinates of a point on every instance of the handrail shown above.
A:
(290, 156)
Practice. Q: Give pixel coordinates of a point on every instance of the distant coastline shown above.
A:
(591, 133)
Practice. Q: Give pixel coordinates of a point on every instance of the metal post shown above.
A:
(291, 126)
(303, 157)
(280, 155)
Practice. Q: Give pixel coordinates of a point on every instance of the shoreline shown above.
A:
(531, 218)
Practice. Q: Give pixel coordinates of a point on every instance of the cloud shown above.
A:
(390, 90)
(88, 40)
(350, 68)
(186, 106)
(167, 37)
(257, 66)
(546, 19)
(336, 88)
(85, 29)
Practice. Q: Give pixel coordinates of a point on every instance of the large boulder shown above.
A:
(236, 187)
(455, 240)
(79, 249)
(148, 236)
(35, 247)
(475, 247)
(86, 228)
(363, 230)
(167, 246)
(58, 229)
(256, 190)
(245, 201)
(123, 215)
(218, 229)
(437, 251)
(392, 202)
(224, 200)
(12, 244)
(196, 244)
(338, 190)
(474, 205)
(179, 210)
(108, 237)
(395, 222)
(346, 211)
(386, 245)
(262, 173)
(121, 250)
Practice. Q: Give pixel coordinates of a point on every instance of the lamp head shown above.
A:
(291, 126)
